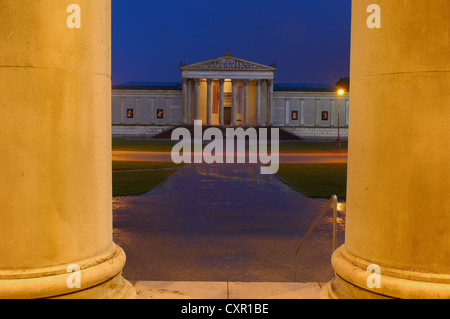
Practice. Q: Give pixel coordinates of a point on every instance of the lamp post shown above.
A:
(340, 93)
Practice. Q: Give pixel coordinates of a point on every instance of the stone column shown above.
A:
(234, 102)
(55, 190)
(197, 99)
(184, 109)
(246, 82)
(189, 115)
(270, 101)
(208, 102)
(221, 101)
(258, 102)
(397, 230)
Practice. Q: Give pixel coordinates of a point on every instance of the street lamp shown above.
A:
(340, 93)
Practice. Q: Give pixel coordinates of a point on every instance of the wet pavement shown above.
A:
(223, 222)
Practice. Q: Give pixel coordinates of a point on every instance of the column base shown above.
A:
(352, 275)
(99, 278)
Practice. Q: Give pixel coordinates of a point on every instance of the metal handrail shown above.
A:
(333, 201)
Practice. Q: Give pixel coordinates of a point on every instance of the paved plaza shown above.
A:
(223, 223)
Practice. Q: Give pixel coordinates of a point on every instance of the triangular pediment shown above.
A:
(228, 62)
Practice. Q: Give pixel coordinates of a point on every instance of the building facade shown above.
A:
(228, 91)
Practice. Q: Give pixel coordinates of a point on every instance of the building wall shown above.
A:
(308, 106)
(146, 106)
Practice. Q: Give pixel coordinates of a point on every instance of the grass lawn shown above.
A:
(144, 145)
(131, 165)
(312, 147)
(126, 183)
(317, 180)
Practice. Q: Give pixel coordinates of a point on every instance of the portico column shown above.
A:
(234, 102)
(270, 101)
(397, 241)
(258, 102)
(221, 101)
(56, 236)
(197, 99)
(246, 102)
(208, 102)
(184, 114)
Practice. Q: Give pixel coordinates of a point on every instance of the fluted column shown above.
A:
(234, 102)
(270, 104)
(221, 101)
(246, 83)
(55, 141)
(197, 99)
(208, 102)
(258, 102)
(397, 241)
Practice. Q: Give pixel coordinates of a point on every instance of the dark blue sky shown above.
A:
(308, 39)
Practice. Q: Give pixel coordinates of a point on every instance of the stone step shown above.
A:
(227, 290)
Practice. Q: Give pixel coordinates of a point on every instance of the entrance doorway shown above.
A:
(227, 115)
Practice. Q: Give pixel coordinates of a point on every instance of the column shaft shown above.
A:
(246, 83)
(258, 102)
(397, 213)
(270, 105)
(208, 102)
(56, 182)
(221, 102)
(197, 99)
(234, 102)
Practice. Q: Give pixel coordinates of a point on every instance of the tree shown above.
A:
(344, 83)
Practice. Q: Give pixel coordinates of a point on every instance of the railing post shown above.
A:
(333, 201)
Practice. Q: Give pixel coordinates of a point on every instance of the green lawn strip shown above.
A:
(138, 183)
(311, 147)
(135, 165)
(316, 180)
(144, 145)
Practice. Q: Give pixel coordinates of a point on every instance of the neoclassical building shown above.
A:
(228, 91)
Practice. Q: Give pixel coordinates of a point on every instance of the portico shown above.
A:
(228, 91)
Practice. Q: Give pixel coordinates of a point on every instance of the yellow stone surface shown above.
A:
(398, 158)
(55, 185)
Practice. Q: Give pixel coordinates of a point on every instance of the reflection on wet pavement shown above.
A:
(223, 222)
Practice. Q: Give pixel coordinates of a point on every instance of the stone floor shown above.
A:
(226, 290)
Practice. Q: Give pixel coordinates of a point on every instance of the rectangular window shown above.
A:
(130, 113)
(324, 116)
(294, 115)
(160, 113)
